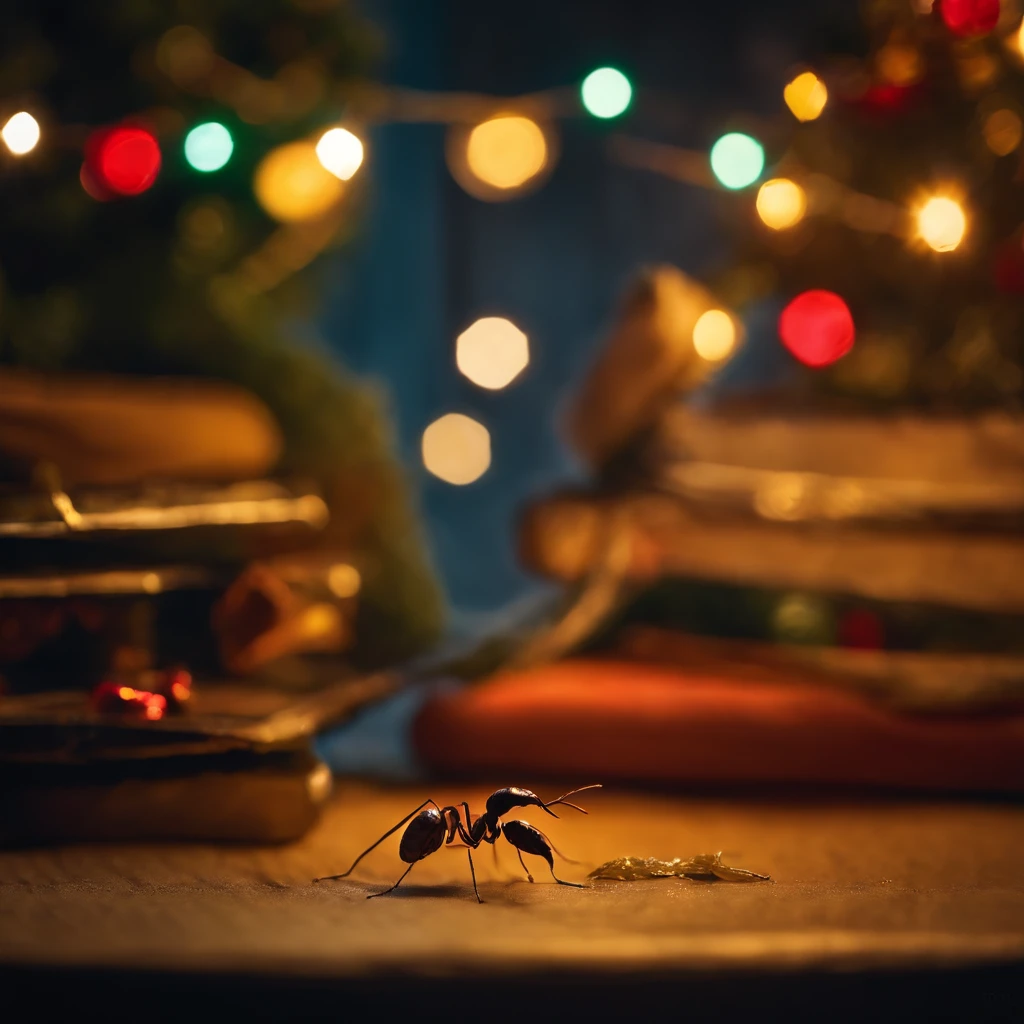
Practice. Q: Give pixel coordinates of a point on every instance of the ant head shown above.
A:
(502, 801)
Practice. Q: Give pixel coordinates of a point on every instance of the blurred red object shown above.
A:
(631, 721)
(115, 698)
(970, 17)
(861, 628)
(176, 688)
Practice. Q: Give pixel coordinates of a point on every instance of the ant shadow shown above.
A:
(501, 893)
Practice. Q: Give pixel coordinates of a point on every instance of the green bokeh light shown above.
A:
(737, 160)
(208, 146)
(606, 92)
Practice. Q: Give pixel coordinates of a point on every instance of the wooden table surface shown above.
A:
(870, 887)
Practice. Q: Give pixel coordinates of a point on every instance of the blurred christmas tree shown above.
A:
(900, 190)
(162, 188)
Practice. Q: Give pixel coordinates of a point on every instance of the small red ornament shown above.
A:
(112, 698)
(862, 629)
(970, 17)
(817, 327)
(121, 161)
(885, 98)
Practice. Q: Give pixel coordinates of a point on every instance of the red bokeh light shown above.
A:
(124, 161)
(862, 629)
(970, 17)
(817, 327)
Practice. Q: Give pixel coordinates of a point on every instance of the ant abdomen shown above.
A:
(523, 836)
(424, 835)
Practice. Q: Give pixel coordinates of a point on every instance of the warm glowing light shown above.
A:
(1019, 38)
(126, 693)
(737, 160)
(817, 327)
(970, 17)
(123, 160)
(800, 618)
(456, 449)
(1002, 131)
(180, 691)
(781, 203)
(900, 65)
(344, 580)
(606, 92)
(507, 151)
(806, 96)
(21, 133)
(714, 335)
(492, 352)
(340, 152)
(292, 185)
(941, 222)
(208, 146)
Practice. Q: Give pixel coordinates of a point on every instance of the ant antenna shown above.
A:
(572, 792)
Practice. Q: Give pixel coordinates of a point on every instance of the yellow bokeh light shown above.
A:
(292, 185)
(941, 222)
(507, 151)
(1018, 37)
(900, 64)
(714, 335)
(456, 449)
(21, 133)
(340, 152)
(492, 352)
(1002, 131)
(781, 203)
(344, 580)
(806, 96)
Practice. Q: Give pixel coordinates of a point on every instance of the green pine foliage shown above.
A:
(144, 285)
(907, 117)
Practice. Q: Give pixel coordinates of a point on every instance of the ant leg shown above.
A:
(390, 832)
(469, 853)
(561, 881)
(524, 867)
(528, 839)
(374, 895)
(568, 860)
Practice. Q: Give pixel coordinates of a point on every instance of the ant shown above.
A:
(432, 826)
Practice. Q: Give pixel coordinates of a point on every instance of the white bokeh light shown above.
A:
(492, 352)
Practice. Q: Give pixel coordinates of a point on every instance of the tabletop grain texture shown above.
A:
(856, 884)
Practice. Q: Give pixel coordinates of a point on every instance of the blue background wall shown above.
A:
(429, 259)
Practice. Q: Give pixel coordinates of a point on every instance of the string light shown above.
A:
(941, 222)
(292, 185)
(606, 93)
(737, 160)
(506, 152)
(970, 17)
(343, 580)
(806, 96)
(21, 133)
(781, 203)
(817, 327)
(340, 152)
(899, 64)
(122, 161)
(492, 352)
(208, 146)
(714, 335)
(1002, 131)
(456, 449)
